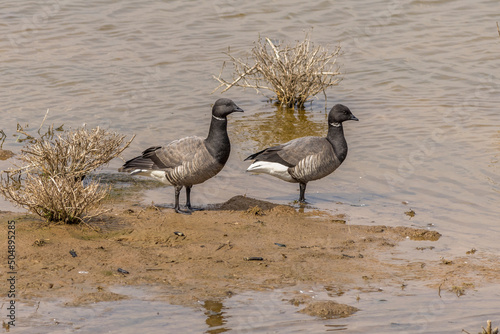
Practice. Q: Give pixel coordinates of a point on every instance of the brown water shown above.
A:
(423, 77)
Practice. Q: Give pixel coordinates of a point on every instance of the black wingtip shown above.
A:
(253, 156)
(151, 150)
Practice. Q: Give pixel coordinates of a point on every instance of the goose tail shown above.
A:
(272, 168)
(137, 165)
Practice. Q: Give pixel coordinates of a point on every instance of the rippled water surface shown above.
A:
(423, 77)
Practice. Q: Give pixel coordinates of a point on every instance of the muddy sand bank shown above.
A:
(243, 244)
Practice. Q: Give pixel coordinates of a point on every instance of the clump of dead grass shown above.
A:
(295, 73)
(48, 182)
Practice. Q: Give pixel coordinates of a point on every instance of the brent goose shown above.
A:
(308, 158)
(188, 161)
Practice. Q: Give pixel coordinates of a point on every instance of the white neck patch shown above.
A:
(335, 124)
(218, 118)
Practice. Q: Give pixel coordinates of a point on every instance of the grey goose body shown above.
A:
(308, 158)
(188, 161)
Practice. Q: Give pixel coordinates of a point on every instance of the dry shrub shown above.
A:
(293, 73)
(486, 330)
(49, 183)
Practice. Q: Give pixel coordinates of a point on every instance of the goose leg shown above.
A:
(176, 206)
(302, 197)
(188, 199)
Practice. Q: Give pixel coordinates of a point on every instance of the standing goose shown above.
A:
(188, 161)
(308, 158)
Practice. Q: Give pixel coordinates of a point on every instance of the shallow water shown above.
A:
(422, 77)
(381, 311)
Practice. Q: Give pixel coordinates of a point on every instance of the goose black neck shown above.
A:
(337, 140)
(217, 142)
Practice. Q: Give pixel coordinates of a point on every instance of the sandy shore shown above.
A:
(243, 244)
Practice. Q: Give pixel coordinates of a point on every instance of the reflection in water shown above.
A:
(215, 316)
(278, 127)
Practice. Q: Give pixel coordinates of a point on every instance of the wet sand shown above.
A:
(243, 244)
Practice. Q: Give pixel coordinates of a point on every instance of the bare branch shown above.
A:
(241, 76)
(276, 53)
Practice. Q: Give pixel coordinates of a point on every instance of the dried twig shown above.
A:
(43, 121)
(237, 79)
